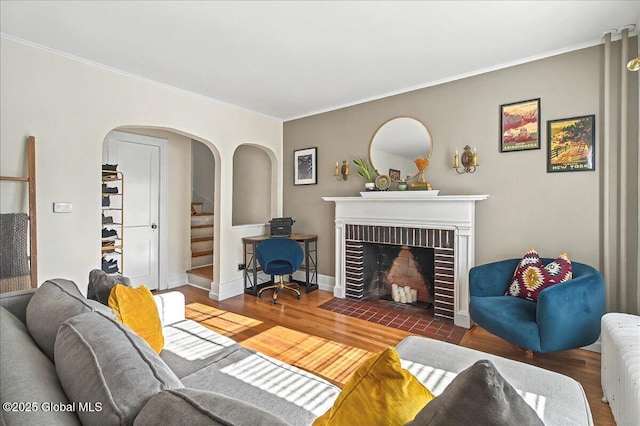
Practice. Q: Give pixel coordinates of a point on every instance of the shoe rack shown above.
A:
(112, 250)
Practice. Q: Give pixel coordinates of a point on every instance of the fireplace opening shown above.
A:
(406, 266)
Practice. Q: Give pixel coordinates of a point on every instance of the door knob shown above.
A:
(154, 226)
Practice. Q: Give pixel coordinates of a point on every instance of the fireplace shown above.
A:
(444, 224)
(429, 251)
(404, 266)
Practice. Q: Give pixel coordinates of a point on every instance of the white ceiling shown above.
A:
(292, 59)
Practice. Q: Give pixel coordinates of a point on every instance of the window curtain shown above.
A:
(620, 179)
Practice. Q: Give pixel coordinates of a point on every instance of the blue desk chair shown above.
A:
(566, 316)
(279, 256)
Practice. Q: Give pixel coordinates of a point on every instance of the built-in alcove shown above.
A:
(252, 171)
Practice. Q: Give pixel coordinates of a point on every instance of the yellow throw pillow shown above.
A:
(135, 308)
(380, 392)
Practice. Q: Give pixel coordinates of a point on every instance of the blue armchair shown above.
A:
(566, 316)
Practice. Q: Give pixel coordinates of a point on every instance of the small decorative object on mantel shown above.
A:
(366, 172)
(383, 182)
(341, 173)
(402, 185)
(469, 160)
(422, 164)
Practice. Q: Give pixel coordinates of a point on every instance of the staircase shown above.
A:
(201, 272)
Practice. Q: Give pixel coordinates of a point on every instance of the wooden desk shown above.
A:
(309, 244)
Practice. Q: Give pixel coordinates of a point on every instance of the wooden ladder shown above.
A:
(30, 179)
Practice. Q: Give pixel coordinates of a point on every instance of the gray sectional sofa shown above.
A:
(65, 360)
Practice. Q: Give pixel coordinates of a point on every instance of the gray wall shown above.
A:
(553, 212)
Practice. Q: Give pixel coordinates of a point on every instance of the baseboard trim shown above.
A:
(325, 282)
(177, 280)
(227, 290)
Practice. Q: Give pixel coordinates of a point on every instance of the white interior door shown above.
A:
(138, 158)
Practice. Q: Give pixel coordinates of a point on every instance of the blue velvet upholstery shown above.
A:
(279, 256)
(566, 316)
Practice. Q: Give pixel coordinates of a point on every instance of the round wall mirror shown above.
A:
(395, 145)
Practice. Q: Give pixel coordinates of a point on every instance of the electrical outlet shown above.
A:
(241, 266)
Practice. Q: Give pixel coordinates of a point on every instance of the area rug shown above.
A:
(413, 319)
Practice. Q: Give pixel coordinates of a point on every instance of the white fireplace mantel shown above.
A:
(448, 212)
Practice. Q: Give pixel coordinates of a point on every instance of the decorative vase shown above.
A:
(369, 186)
(402, 185)
(421, 163)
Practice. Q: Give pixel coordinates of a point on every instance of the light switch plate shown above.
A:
(62, 207)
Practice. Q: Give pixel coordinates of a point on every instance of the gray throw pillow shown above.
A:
(53, 303)
(201, 408)
(478, 395)
(100, 361)
(100, 285)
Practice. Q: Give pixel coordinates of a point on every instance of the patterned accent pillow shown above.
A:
(531, 276)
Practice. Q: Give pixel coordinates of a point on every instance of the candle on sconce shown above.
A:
(474, 161)
(456, 159)
(337, 170)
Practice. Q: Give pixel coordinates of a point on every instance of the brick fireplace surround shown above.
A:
(413, 218)
(441, 240)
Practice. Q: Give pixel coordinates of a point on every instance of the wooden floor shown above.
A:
(334, 345)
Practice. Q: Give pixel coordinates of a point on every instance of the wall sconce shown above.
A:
(634, 64)
(342, 173)
(469, 160)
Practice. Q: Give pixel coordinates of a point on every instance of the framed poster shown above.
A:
(305, 166)
(520, 126)
(571, 144)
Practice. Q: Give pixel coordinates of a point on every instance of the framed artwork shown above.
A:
(571, 144)
(520, 126)
(305, 166)
(394, 174)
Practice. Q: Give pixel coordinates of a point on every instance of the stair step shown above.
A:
(201, 246)
(210, 225)
(197, 280)
(201, 260)
(201, 220)
(205, 271)
(205, 232)
(202, 253)
(199, 239)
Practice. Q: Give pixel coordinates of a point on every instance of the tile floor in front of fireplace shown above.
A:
(405, 317)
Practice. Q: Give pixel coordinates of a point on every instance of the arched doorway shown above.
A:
(174, 245)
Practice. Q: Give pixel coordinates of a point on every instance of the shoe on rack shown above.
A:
(106, 233)
(108, 171)
(109, 189)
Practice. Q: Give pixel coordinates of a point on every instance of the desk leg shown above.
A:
(311, 260)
